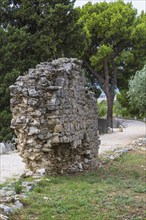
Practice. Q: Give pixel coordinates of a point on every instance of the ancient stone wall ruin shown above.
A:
(55, 118)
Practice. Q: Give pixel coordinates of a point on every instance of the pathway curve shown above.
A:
(11, 165)
(133, 130)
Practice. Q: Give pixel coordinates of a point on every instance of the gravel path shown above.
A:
(11, 165)
(133, 130)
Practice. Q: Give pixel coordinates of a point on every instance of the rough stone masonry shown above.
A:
(55, 118)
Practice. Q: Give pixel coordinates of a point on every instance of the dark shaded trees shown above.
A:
(31, 32)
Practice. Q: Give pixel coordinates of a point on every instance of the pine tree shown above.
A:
(114, 45)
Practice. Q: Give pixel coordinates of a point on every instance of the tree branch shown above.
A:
(95, 74)
(114, 73)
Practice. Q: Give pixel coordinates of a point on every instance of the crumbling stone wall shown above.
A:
(55, 118)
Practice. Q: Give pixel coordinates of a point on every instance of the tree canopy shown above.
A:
(112, 34)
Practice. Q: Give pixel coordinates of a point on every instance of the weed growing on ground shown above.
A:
(18, 186)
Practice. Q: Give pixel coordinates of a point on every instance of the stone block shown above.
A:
(58, 128)
(33, 130)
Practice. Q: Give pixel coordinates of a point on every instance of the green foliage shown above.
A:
(137, 56)
(18, 187)
(102, 108)
(108, 27)
(32, 32)
(99, 56)
(120, 111)
(114, 44)
(123, 108)
(93, 88)
(5, 131)
(137, 90)
(91, 85)
(97, 92)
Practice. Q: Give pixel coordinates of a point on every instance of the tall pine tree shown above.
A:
(114, 45)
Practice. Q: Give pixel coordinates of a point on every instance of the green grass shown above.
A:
(115, 191)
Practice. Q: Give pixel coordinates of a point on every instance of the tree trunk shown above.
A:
(110, 103)
(108, 84)
(109, 90)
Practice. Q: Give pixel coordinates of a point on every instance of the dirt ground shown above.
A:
(11, 165)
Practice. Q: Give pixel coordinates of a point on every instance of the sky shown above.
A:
(140, 5)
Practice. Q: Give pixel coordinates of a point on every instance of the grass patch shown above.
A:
(115, 191)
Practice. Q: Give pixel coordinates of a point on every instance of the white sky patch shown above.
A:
(140, 5)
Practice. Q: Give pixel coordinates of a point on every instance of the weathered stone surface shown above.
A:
(41, 171)
(55, 118)
(3, 217)
(6, 209)
(33, 130)
(17, 205)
